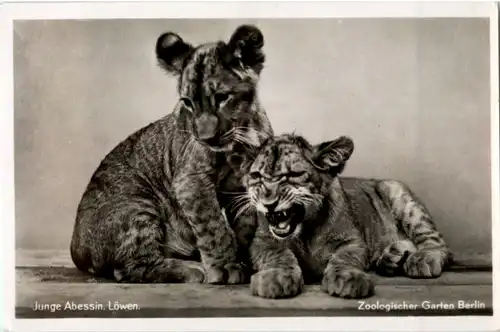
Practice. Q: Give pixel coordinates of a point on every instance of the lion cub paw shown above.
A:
(347, 283)
(193, 273)
(393, 257)
(277, 283)
(425, 264)
(230, 274)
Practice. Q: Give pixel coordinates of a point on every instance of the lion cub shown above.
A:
(314, 225)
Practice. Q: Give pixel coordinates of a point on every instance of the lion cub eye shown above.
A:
(296, 174)
(220, 98)
(255, 175)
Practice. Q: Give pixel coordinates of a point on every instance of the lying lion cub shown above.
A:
(313, 224)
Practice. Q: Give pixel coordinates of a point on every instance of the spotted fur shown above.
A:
(154, 208)
(315, 225)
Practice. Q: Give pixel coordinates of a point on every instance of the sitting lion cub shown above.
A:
(313, 224)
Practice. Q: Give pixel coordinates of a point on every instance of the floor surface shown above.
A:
(49, 279)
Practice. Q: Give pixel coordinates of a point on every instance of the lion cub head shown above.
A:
(217, 85)
(289, 179)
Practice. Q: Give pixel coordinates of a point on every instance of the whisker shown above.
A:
(242, 139)
(237, 195)
(229, 133)
(238, 139)
(244, 209)
(233, 192)
(239, 206)
(288, 195)
(237, 201)
(252, 129)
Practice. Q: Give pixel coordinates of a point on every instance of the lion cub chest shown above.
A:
(312, 257)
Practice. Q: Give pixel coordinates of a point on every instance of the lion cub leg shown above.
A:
(215, 239)
(139, 253)
(278, 272)
(344, 275)
(390, 247)
(432, 254)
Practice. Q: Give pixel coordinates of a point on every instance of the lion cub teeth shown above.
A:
(283, 227)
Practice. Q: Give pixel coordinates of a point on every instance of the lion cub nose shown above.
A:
(206, 127)
(271, 206)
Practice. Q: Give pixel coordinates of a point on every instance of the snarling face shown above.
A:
(218, 87)
(286, 182)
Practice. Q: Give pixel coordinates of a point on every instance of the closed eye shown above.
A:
(296, 174)
(255, 175)
(219, 98)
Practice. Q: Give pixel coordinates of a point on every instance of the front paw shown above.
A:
(348, 283)
(193, 273)
(277, 283)
(231, 273)
(425, 264)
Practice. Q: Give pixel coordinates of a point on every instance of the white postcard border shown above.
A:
(240, 9)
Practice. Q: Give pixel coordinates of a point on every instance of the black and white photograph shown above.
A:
(253, 166)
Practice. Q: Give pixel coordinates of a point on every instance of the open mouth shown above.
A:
(283, 223)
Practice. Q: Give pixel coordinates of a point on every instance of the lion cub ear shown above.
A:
(171, 52)
(331, 156)
(245, 48)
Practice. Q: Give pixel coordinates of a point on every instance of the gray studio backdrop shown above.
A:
(412, 93)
